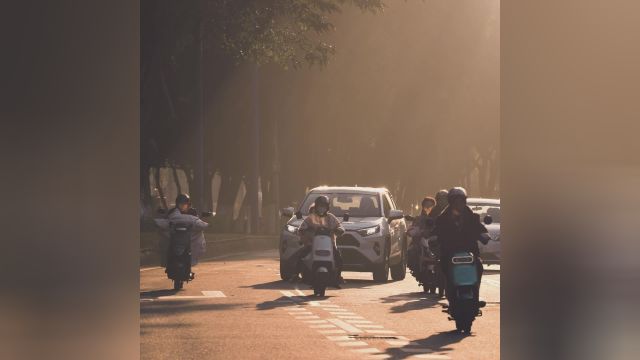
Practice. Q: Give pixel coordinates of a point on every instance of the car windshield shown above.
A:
(484, 209)
(357, 204)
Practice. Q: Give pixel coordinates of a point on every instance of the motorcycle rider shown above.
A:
(441, 203)
(319, 218)
(458, 229)
(184, 213)
(421, 226)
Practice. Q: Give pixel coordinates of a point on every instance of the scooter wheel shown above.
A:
(177, 284)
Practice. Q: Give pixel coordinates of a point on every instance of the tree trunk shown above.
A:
(156, 177)
(228, 190)
(176, 179)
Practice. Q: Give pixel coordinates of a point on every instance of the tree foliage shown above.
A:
(285, 32)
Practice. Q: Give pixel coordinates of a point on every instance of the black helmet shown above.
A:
(182, 199)
(457, 192)
(442, 195)
(321, 205)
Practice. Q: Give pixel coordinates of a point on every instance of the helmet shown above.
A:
(321, 204)
(182, 199)
(457, 192)
(428, 200)
(441, 195)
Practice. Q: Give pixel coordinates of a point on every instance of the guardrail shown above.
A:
(217, 244)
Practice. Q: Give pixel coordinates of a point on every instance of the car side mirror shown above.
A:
(395, 215)
(298, 215)
(409, 218)
(345, 216)
(488, 220)
(287, 212)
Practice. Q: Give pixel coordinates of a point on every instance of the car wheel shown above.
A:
(381, 274)
(399, 271)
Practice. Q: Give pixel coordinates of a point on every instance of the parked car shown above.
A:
(490, 253)
(375, 238)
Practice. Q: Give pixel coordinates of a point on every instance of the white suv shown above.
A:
(375, 239)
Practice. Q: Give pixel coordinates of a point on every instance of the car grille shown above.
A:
(347, 240)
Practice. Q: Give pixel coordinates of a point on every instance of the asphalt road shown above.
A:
(238, 308)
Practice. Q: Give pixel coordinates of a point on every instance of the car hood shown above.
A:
(352, 224)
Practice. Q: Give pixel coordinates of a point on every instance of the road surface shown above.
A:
(238, 308)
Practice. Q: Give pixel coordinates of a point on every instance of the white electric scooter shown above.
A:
(319, 265)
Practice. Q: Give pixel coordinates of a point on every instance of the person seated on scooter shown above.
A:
(420, 227)
(184, 213)
(458, 229)
(319, 218)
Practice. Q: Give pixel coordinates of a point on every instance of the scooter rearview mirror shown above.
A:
(488, 220)
(298, 215)
(345, 217)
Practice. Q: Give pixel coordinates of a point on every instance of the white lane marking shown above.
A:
(370, 326)
(492, 282)
(353, 317)
(146, 300)
(339, 338)
(332, 331)
(298, 313)
(381, 331)
(151, 268)
(322, 326)
(329, 307)
(352, 343)
(315, 321)
(344, 326)
(381, 356)
(359, 321)
(213, 293)
(307, 317)
(337, 310)
(367, 351)
(300, 292)
(287, 293)
(398, 342)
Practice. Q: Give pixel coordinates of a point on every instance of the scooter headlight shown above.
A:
(369, 231)
(292, 229)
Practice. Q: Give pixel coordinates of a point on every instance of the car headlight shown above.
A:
(292, 229)
(369, 231)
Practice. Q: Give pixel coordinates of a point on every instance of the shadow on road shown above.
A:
(157, 293)
(411, 301)
(175, 307)
(438, 343)
(285, 285)
(285, 301)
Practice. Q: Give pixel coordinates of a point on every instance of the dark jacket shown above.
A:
(456, 236)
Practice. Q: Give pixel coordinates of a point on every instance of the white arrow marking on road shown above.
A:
(344, 326)
(213, 294)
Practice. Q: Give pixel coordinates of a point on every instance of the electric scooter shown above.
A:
(319, 264)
